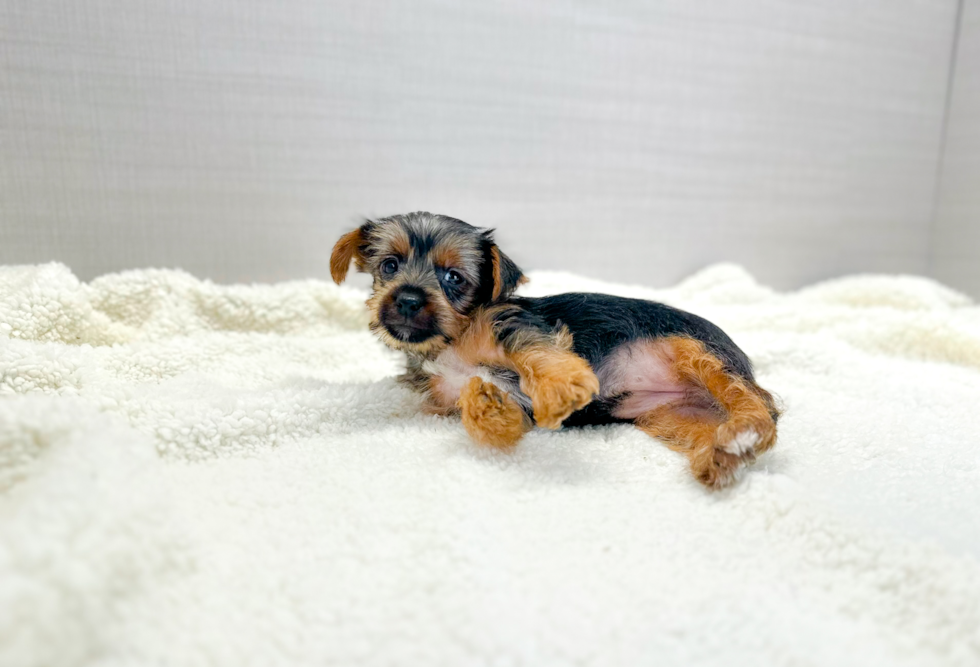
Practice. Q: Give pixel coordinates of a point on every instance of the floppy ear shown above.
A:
(505, 274)
(347, 248)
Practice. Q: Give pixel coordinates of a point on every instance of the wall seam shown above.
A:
(943, 136)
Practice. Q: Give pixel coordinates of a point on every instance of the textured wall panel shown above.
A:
(637, 142)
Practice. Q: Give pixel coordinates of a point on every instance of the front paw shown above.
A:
(491, 416)
(568, 387)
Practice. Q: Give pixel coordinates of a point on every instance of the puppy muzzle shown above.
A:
(408, 315)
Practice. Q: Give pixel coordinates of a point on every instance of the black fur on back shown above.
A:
(599, 323)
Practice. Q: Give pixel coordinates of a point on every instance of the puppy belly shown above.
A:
(450, 374)
(641, 371)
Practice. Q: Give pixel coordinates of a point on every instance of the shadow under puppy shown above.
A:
(443, 294)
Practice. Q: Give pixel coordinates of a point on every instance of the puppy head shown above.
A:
(430, 272)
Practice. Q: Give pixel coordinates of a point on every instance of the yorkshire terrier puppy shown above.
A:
(444, 295)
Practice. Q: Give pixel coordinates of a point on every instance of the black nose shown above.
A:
(409, 302)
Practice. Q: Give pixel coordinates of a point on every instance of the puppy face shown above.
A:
(430, 272)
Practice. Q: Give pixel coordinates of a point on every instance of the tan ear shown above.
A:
(343, 253)
(506, 275)
(498, 281)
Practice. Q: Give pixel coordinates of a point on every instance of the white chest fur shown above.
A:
(451, 373)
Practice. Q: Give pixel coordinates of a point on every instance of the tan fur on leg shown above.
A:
(558, 381)
(490, 416)
(696, 438)
(716, 446)
(746, 409)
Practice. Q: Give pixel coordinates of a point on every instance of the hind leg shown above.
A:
(749, 427)
(696, 436)
(718, 419)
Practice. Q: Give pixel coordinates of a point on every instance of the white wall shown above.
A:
(641, 142)
(957, 241)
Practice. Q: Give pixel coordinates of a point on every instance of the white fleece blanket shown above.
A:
(194, 474)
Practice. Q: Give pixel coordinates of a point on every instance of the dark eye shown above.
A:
(453, 277)
(389, 266)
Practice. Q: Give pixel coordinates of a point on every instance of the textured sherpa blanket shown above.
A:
(195, 474)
